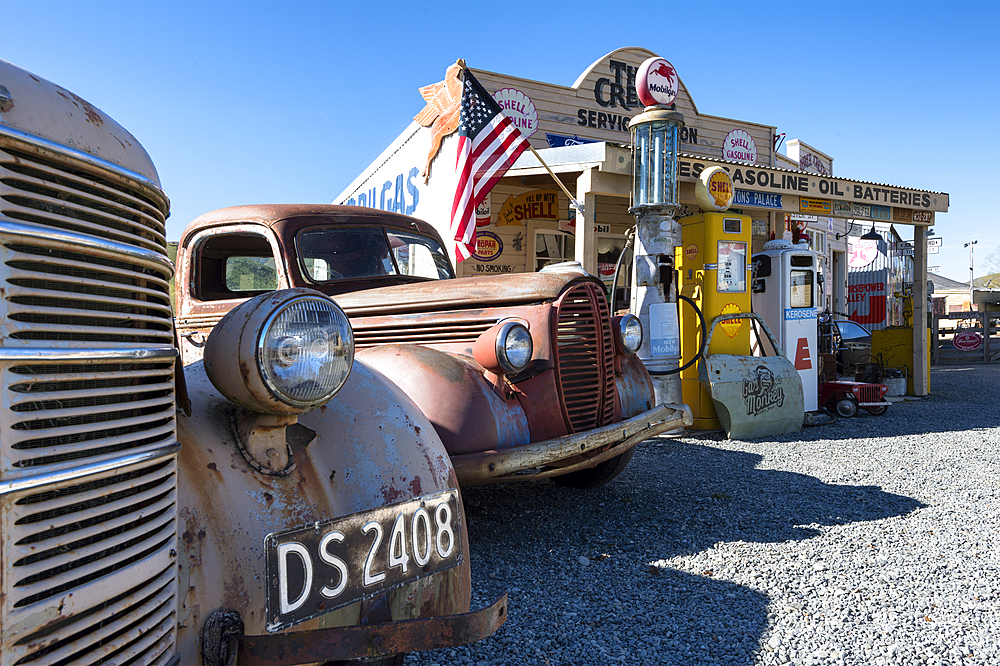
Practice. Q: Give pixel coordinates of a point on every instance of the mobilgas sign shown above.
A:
(617, 93)
(810, 185)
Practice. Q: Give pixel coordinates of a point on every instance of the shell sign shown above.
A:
(519, 108)
(714, 190)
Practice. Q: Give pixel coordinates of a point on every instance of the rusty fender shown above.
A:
(340, 644)
(372, 448)
(468, 413)
(489, 466)
(635, 388)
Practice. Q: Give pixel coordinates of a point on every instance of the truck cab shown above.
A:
(522, 376)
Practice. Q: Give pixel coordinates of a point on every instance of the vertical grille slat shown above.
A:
(585, 358)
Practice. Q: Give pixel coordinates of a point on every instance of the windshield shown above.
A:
(329, 254)
(850, 331)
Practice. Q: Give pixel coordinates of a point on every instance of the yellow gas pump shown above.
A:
(713, 263)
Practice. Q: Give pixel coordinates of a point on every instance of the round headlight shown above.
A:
(284, 352)
(305, 351)
(630, 333)
(513, 347)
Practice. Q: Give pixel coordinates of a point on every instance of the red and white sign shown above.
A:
(739, 146)
(967, 341)
(656, 82)
(862, 252)
(519, 108)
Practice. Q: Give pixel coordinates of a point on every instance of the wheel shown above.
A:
(878, 411)
(596, 476)
(846, 407)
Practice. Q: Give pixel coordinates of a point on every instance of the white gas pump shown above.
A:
(785, 293)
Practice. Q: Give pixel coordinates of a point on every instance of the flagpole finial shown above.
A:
(461, 63)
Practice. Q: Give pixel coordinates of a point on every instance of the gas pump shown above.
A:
(714, 273)
(735, 384)
(785, 293)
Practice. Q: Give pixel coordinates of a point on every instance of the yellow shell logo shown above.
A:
(714, 189)
(731, 326)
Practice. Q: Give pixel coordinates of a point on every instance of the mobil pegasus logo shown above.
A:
(657, 82)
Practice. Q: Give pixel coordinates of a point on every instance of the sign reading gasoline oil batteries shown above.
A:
(714, 190)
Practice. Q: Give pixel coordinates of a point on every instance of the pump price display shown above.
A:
(732, 267)
(327, 565)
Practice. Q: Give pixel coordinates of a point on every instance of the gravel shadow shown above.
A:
(623, 603)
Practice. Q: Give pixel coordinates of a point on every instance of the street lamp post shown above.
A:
(972, 298)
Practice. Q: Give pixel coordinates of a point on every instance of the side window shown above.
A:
(251, 274)
(553, 247)
(234, 265)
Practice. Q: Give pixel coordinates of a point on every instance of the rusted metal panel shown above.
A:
(468, 412)
(754, 396)
(372, 448)
(635, 388)
(609, 441)
(371, 641)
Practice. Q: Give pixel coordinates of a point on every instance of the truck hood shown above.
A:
(438, 295)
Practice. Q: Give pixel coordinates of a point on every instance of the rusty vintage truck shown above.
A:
(275, 502)
(523, 376)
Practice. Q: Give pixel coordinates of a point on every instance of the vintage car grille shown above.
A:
(585, 357)
(443, 328)
(868, 393)
(101, 548)
(88, 471)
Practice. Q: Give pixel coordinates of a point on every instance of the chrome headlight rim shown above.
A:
(503, 336)
(263, 367)
(623, 335)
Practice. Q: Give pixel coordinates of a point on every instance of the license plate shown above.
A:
(318, 568)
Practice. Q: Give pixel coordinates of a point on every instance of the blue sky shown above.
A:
(251, 102)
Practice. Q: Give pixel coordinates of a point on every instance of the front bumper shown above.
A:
(607, 441)
(338, 645)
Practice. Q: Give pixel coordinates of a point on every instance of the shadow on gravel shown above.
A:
(674, 499)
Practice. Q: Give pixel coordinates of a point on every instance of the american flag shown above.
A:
(488, 144)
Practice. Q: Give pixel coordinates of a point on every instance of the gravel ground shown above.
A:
(870, 540)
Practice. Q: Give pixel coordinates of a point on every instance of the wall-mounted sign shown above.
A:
(560, 141)
(799, 217)
(923, 216)
(861, 252)
(483, 212)
(535, 205)
(488, 246)
(815, 206)
(739, 146)
(656, 82)
(568, 226)
(757, 199)
(902, 215)
(502, 269)
(519, 108)
(843, 208)
(880, 212)
(861, 210)
(967, 341)
(810, 162)
(714, 189)
(602, 228)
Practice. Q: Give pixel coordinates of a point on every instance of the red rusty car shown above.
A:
(523, 376)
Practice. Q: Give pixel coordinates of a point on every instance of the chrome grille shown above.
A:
(57, 415)
(868, 393)
(88, 476)
(101, 551)
(585, 358)
(53, 193)
(82, 297)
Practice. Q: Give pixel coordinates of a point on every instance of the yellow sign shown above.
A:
(814, 206)
(536, 205)
(731, 326)
(714, 190)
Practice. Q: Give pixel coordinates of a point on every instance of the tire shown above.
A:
(596, 476)
(846, 408)
(877, 411)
